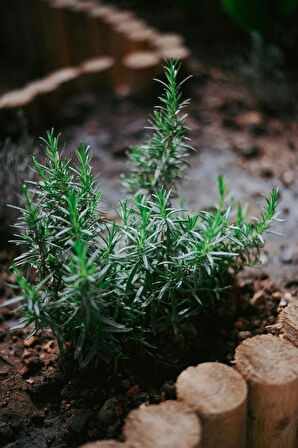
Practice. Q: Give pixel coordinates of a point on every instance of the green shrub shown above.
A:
(99, 284)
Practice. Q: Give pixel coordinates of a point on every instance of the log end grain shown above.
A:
(167, 425)
(267, 360)
(65, 74)
(288, 320)
(169, 40)
(103, 11)
(180, 53)
(16, 98)
(129, 26)
(98, 64)
(106, 444)
(211, 388)
(141, 60)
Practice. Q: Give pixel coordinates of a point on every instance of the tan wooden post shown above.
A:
(140, 69)
(167, 425)
(288, 321)
(106, 444)
(218, 395)
(270, 366)
(96, 73)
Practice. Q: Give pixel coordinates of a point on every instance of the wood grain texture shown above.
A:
(106, 444)
(270, 366)
(167, 425)
(140, 69)
(288, 320)
(218, 395)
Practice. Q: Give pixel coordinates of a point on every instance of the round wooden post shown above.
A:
(167, 425)
(67, 80)
(79, 31)
(180, 53)
(141, 39)
(96, 73)
(218, 395)
(140, 69)
(270, 366)
(288, 321)
(106, 444)
(14, 100)
(168, 40)
(99, 29)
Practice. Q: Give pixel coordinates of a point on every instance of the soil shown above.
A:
(249, 134)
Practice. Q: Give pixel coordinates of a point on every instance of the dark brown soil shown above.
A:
(250, 135)
(47, 401)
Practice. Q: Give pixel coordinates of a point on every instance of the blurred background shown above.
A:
(86, 68)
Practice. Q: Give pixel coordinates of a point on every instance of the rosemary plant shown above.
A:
(98, 283)
(160, 162)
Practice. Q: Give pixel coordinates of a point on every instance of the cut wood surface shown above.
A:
(179, 52)
(142, 38)
(218, 395)
(96, 72)
(106, 444)
(167, 425)
(288, 320)
(99, 30)
(270, 366)
(169, 40)
(141, 67)
(78, 29)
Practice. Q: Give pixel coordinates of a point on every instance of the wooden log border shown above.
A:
(254, 405)
(72, 33)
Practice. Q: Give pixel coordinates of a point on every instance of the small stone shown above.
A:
(288, 178)
(133, 390)
(24, 371)
(288, 298)
(250, 118)
(259, 299)
(277, 296)
(29, 342)
(108, 412)
(244, 334)
(240, 324)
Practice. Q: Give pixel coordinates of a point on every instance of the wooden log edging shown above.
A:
(72, 31)
(218, 395)
(288, 322)
(254, 405)
(167, 425)
(270, 366)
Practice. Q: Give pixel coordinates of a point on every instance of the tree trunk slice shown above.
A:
(288, 320)
(218, 395)
(140, 69)
(168, 40)
(180, 53)
(96, 73)
(106, 444)
(270, 366)
(167, 425)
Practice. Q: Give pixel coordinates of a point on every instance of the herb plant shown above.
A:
(99, 283)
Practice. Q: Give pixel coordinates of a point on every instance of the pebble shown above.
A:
(288, 178)
(277, 296)
(244, 334)
(109, 412)
(259, 299)
(133, 390)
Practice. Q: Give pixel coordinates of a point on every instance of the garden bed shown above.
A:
(47, 401)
